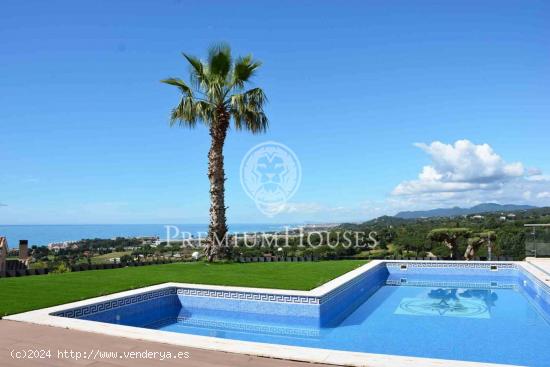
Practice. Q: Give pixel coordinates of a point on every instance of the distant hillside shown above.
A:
(456, 211)
(384, 220)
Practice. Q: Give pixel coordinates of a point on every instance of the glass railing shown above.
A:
(537, 241)
(537, 249)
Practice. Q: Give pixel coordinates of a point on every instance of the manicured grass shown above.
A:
(33, 292)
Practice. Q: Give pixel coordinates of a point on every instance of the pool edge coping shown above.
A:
(316, 355)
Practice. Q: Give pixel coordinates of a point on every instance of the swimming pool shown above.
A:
(470, 311)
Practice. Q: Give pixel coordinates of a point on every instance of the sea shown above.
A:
(42, 235)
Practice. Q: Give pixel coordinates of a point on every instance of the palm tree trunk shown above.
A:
(217, 230)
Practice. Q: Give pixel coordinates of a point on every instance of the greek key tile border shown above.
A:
(457, 265)
(94, 308)
(248, 296)
(89, 310)
(421, 283)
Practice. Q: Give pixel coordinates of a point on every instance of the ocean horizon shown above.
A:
(44, 234)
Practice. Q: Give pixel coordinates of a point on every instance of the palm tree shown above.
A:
(216, 95)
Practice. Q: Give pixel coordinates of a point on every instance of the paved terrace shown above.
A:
(25, 336)
(541, 263)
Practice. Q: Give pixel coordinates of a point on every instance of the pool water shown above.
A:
(483, 318)
(450, 323)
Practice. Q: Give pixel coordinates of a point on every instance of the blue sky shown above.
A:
(84, 134)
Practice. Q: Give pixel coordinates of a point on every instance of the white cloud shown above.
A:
(467, 162)
(543, 195)
(466, 173)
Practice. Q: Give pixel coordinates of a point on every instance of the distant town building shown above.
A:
(478, 216)
(56, 246)
(13, 265)
(23, 250)
(149, 240)
(3, 254)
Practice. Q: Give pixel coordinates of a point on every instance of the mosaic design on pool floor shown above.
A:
(471, 303)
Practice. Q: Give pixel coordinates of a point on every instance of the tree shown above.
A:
(215, 96)
(125, 259)
(478, 240)
(411, 239)
(449, 237)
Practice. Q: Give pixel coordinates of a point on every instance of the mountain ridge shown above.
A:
(458, 211)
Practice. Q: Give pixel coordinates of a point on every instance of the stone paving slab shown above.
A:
(21, 336)
(541, 263)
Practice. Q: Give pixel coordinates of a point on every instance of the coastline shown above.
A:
(46, 234)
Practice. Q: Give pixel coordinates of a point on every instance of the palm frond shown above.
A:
(247, 111)
(190, 111)
(244, 69)
(185, 113)
(219, 61)
(204, 111)
(256, 96)
(250, 120)
(217, 90)
(199, 77)
(184, 88)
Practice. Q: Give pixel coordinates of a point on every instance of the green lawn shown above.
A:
(33, 292)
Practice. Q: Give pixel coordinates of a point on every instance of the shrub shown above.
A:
(60, 268)
(126, 259)
(38, 265)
